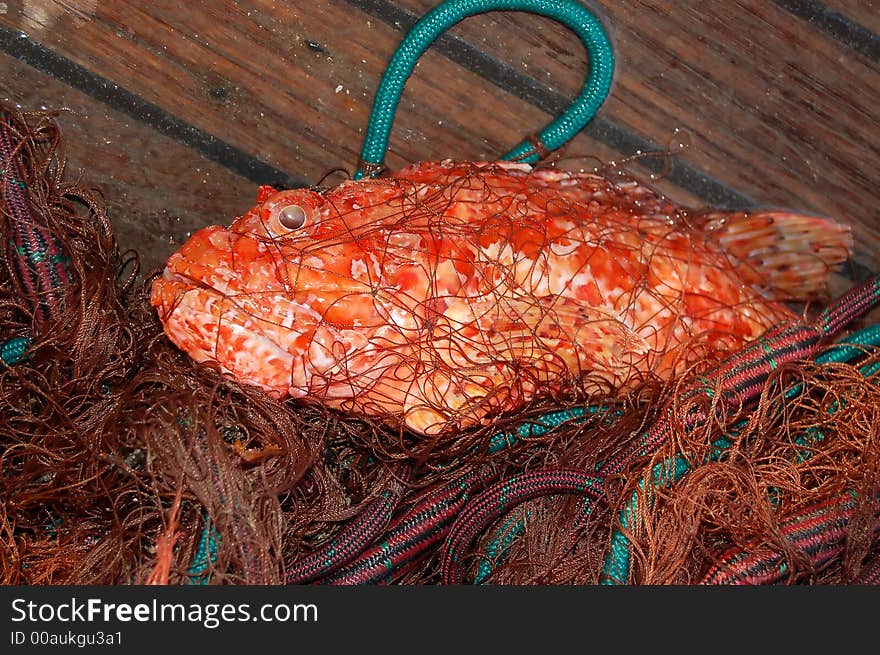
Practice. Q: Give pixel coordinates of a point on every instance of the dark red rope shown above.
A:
(501, 497)
(357, 536)
(40, 268)
(411, 534)
(818, 532)
(870, 574)
(851, 305)
(740, 379)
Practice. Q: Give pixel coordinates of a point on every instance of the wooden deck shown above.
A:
(178, 110)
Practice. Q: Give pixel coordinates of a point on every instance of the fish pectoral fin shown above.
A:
(601, 334)
(456, 399)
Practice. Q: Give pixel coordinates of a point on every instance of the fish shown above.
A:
(446, 294)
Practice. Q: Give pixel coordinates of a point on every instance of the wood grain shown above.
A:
(769, 106)
(292, 85)
(862, 12)
(156, 191)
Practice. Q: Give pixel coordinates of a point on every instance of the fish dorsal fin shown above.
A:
(788, 256)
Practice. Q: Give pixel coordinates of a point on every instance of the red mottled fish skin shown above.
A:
(447, 293)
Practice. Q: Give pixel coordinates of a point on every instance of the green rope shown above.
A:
(663, 474)
(541, 425)
(575, 16)
(13, 351)
(497, 548)
(601, 57)
(206, 554)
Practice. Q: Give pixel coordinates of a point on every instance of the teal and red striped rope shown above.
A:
(434, 518)
(350, 542)
(740, 378)
(498, 499)
(818, 532)
(41, 269)
(617, 565)
(412, 534)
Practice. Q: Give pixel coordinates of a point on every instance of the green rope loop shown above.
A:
(575, 16)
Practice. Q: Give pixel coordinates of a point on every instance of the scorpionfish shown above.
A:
(442, 295)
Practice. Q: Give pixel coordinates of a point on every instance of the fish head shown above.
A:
(281, 298)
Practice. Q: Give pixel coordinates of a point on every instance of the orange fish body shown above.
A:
(447, 293)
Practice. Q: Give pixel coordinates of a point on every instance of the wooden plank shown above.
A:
(296, 82)
(865, 13)
(435, 119)
(770, 105)
(156, 191)
(767, 107)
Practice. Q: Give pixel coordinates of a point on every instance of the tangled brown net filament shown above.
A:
(116, 450)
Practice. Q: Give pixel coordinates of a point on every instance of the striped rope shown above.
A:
(352, 541)
(502, 496)
(870, 574)
(740, 378)
(818, 532)
(412, 534)
(40, 268)
(617, 562)
(854, 303)
(497, 547)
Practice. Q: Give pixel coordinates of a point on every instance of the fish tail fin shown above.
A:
(789, 256)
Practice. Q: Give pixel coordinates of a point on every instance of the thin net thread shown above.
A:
(115, 444)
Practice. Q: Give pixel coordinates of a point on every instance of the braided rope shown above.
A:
(357, 536)
(854, 303)
(14, 350)
(366, 526)
(740, 379)
(411, 534)
(870, 574)
(575, 16)
(206, 554)
(495, 501)
(507, 532)
(819, 532)
(40, 268)
(617, 562)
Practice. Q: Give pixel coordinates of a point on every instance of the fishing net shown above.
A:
(124, 461)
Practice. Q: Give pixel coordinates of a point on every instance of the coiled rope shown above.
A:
(572, 14)
(740, 378)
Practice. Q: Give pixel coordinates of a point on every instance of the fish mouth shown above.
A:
(208, 323)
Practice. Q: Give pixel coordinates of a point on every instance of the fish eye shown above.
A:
(292, 217)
